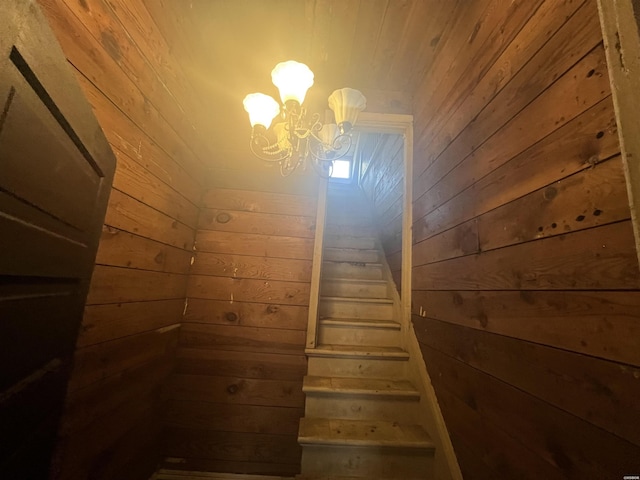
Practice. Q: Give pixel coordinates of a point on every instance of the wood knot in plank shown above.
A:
(233, 389)
(223, 217)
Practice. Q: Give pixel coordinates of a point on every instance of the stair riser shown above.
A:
(361, 408)
(336, 288)
(406, 464)
(356, 367)
(352, 255)
(375, 337)
(364, 271)
(341, 238)
(359, 310)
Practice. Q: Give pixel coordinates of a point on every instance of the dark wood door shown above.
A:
(56, 170)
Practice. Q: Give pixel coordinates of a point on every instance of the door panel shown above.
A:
(56, 170)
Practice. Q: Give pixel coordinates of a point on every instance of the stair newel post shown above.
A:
(316, 267)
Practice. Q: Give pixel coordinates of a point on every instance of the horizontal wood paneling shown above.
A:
(241, 364)
(462, 169)
(383, 184)
(584, 386)
(262, 223)
(269, 246)
(543, 24)
(249, 266)
(525, 275)
(248, 290)
(570, 444)
(110, 321)
(258, 202)
(122, 249)
(251, 339)
(583, 142)
(118, 285)
(246, 391)
(241, 359)
(194, 444)
(131, 215)
(233, 418)
(601, 324)
(128, 338)
(103, 360)
(578, 261)
(248, 314)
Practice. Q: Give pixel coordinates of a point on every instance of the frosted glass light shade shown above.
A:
(346, 103)
(293, 79)
(262, 109)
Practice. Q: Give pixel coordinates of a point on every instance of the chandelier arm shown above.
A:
(336, 152)
(269, 153)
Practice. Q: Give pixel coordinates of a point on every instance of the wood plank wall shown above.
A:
(382, 181)
(125, 350)
(524, 257)
(235, 400)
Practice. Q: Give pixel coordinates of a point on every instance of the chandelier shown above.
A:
(295, 140)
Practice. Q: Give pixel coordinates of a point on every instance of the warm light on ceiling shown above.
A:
(295, 141)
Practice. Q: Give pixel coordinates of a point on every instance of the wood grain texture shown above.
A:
(515, 152)
(240, 360)
(248, 290)
(236, 390)
(569, 443)
(383, 186)
(256, 244)
(525, 290)
(600, 324)
(585, 141)
(262, 223)
(259, 202)
(250, 453)
(586, 387)
(143, 102)
(581, 261)
(246, 266)
(233, 418)
(250, 314)
(249, 339)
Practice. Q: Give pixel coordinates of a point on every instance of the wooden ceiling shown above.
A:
(381, 47)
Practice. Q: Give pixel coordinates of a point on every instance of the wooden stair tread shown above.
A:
(355, 263)
(382, 301)
(356, 249)
(358, 351)
(367, 281)
(362, 433)
(359, 322)
(359, 386)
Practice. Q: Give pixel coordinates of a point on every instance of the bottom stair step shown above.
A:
(369, 449)
(363, 433)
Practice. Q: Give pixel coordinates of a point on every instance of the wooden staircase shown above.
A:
(360, 410)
